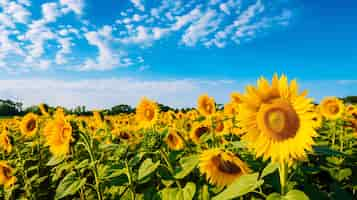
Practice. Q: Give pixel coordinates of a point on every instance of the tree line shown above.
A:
(11, 108)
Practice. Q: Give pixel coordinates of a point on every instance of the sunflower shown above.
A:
(206, 105)
(351, 110)
(192, 115)
(6, 175)
(230, 109)
(43, 109)
(277, 120)
(199, 129)
(147, 112)
(331, 108)
(221, 167)
(58, 134)
(5, 141)
(174, 140)
(29, 125)
(219, 125)
(236, 98)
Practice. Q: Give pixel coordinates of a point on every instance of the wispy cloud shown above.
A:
(48, 40)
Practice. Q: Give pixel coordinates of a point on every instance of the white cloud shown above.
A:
(72, 5)
(207, 24)
(50, 11)
(18, 12)
(38, 34)
(107, 57)
(65, 48)
(104, 93)
(138, 4)
(186, 19)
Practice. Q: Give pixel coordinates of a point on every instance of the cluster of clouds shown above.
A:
(127, 91)
(29, 40)
(176, 93)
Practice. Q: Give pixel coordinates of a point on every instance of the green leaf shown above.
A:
(343, 174)
(270, 168)
(55, 160)
(146, 168)
(69, 185)
(324, 150)
(188, 164)
(243, 185)
(187, 193)
(291, 195)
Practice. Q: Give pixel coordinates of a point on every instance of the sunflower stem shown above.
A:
(283, 177)
(171, 169)
(130, 179)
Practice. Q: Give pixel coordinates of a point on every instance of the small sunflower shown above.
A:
(58, 133)
(147, 112)
(174, 140)
(6, 175)
(219, 125)
(199, 129)
(230, 109)
(331, 108)
(277, 120)
(29, 125)
(221, 167)
(351, 110)
(43, 109)
(236, 98)
(206, 105)
(5, 141)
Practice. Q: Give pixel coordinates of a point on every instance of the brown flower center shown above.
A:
(333, 109)
(201, 130)
(278, 120)
(124, 135)
(149, 114)
(226, 166)
(31, 125)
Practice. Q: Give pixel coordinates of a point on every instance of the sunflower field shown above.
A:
(270, 142)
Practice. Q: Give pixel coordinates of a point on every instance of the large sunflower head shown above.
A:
(206, 105)
(147, 112)
(277, 120)
(331, 108)
(29, 125)
(6, 175)
(174, 141)
(58, 134)
(221, 167)
(199, 129)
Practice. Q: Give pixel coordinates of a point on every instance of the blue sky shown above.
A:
(74, 52)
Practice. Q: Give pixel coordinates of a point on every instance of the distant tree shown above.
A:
(164, 108)
(350, 99)
(10, 108)
(122, 108)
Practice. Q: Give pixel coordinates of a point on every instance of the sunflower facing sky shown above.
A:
(206, 105)
(277, 120)
(29, 125)
(147, 112)
(331, 108)
(221, 167)
(58, 134)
